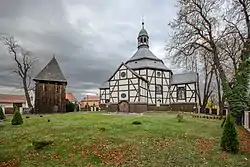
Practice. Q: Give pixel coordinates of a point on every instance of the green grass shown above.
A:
(80, 140)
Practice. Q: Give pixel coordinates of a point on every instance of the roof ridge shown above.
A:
(51, 72)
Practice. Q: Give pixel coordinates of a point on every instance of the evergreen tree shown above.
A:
(229, 140)
(17, 118)
(2, 115)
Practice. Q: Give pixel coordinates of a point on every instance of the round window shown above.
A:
(123, 74)
(158, 74)
(123, 95)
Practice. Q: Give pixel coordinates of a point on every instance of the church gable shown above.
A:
(124, 84)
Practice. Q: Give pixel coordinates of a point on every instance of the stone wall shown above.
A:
(133, 107)
(162, 107)
(188, 107)
(137, 107)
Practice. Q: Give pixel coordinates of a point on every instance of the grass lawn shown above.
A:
(96, 139)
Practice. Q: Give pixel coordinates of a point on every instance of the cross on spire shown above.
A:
(142, 22)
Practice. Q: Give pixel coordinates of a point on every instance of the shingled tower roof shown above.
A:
(51, 72)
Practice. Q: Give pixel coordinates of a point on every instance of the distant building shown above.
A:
(50, 92)
(71, 97)
(8, 102)
(90, 101)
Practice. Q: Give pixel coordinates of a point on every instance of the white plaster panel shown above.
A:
(158, 81)
(143, 72)
(123, 82)
(130, 74)
(123, 67)
(192, 86)
(114, 94)
(124, 87)
(133, 93)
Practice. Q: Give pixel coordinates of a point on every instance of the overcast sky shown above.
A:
(90, 38)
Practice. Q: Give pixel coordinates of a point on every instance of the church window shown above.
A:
(145, 40)
(141, 40)
(181, 93)
(123, 74)
(158, 89)
(123, 95)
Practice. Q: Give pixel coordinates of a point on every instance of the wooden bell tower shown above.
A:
(50, 92)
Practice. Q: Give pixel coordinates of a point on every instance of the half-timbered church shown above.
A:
(144, 83)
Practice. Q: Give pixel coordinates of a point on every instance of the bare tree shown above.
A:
(199, 25)
(24, 62)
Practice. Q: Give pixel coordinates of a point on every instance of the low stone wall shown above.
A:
(187, 107)
(133, 107)
(162, 107)
(138, 107)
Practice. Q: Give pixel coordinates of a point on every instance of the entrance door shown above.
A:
(124, 107)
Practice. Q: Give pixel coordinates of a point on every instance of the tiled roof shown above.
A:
(51, 72)
(105, 85)
(90, 98)
(7, 98)
(70, 97)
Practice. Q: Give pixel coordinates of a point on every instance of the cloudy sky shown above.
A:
(90, 38)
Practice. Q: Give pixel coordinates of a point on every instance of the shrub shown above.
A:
(223, 122)
(17, 118)
(136, 123)
(102, 129)
(2, 115)
(70, 107)
(180, 117)
(41, 144)
(229, 139)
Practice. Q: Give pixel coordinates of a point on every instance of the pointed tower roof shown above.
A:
(51, 72)
(143, 57)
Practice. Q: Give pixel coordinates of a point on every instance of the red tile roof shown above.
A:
(70, 97)
(7, 98)
(90, 98)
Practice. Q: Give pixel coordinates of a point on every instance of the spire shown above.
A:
(142, 22)
(143, 37)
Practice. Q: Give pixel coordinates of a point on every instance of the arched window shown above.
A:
(181, 93)
(145, 40)
(141, 40)
(158, 89)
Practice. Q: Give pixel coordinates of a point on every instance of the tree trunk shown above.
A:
(27, 96)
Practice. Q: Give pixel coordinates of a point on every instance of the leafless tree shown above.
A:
(24, 62)
(196, 27)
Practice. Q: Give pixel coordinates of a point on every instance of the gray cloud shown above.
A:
(89, 38)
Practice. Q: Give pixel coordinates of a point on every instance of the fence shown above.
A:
(247, 120)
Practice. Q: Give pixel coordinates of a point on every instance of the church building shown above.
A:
(144, 83)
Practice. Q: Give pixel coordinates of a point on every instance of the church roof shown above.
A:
(105, 85)
(143, 53)
(143, 57)
(51, 72)
(189, 77)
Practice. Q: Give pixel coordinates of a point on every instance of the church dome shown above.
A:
(143, 57)
(143, 32)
